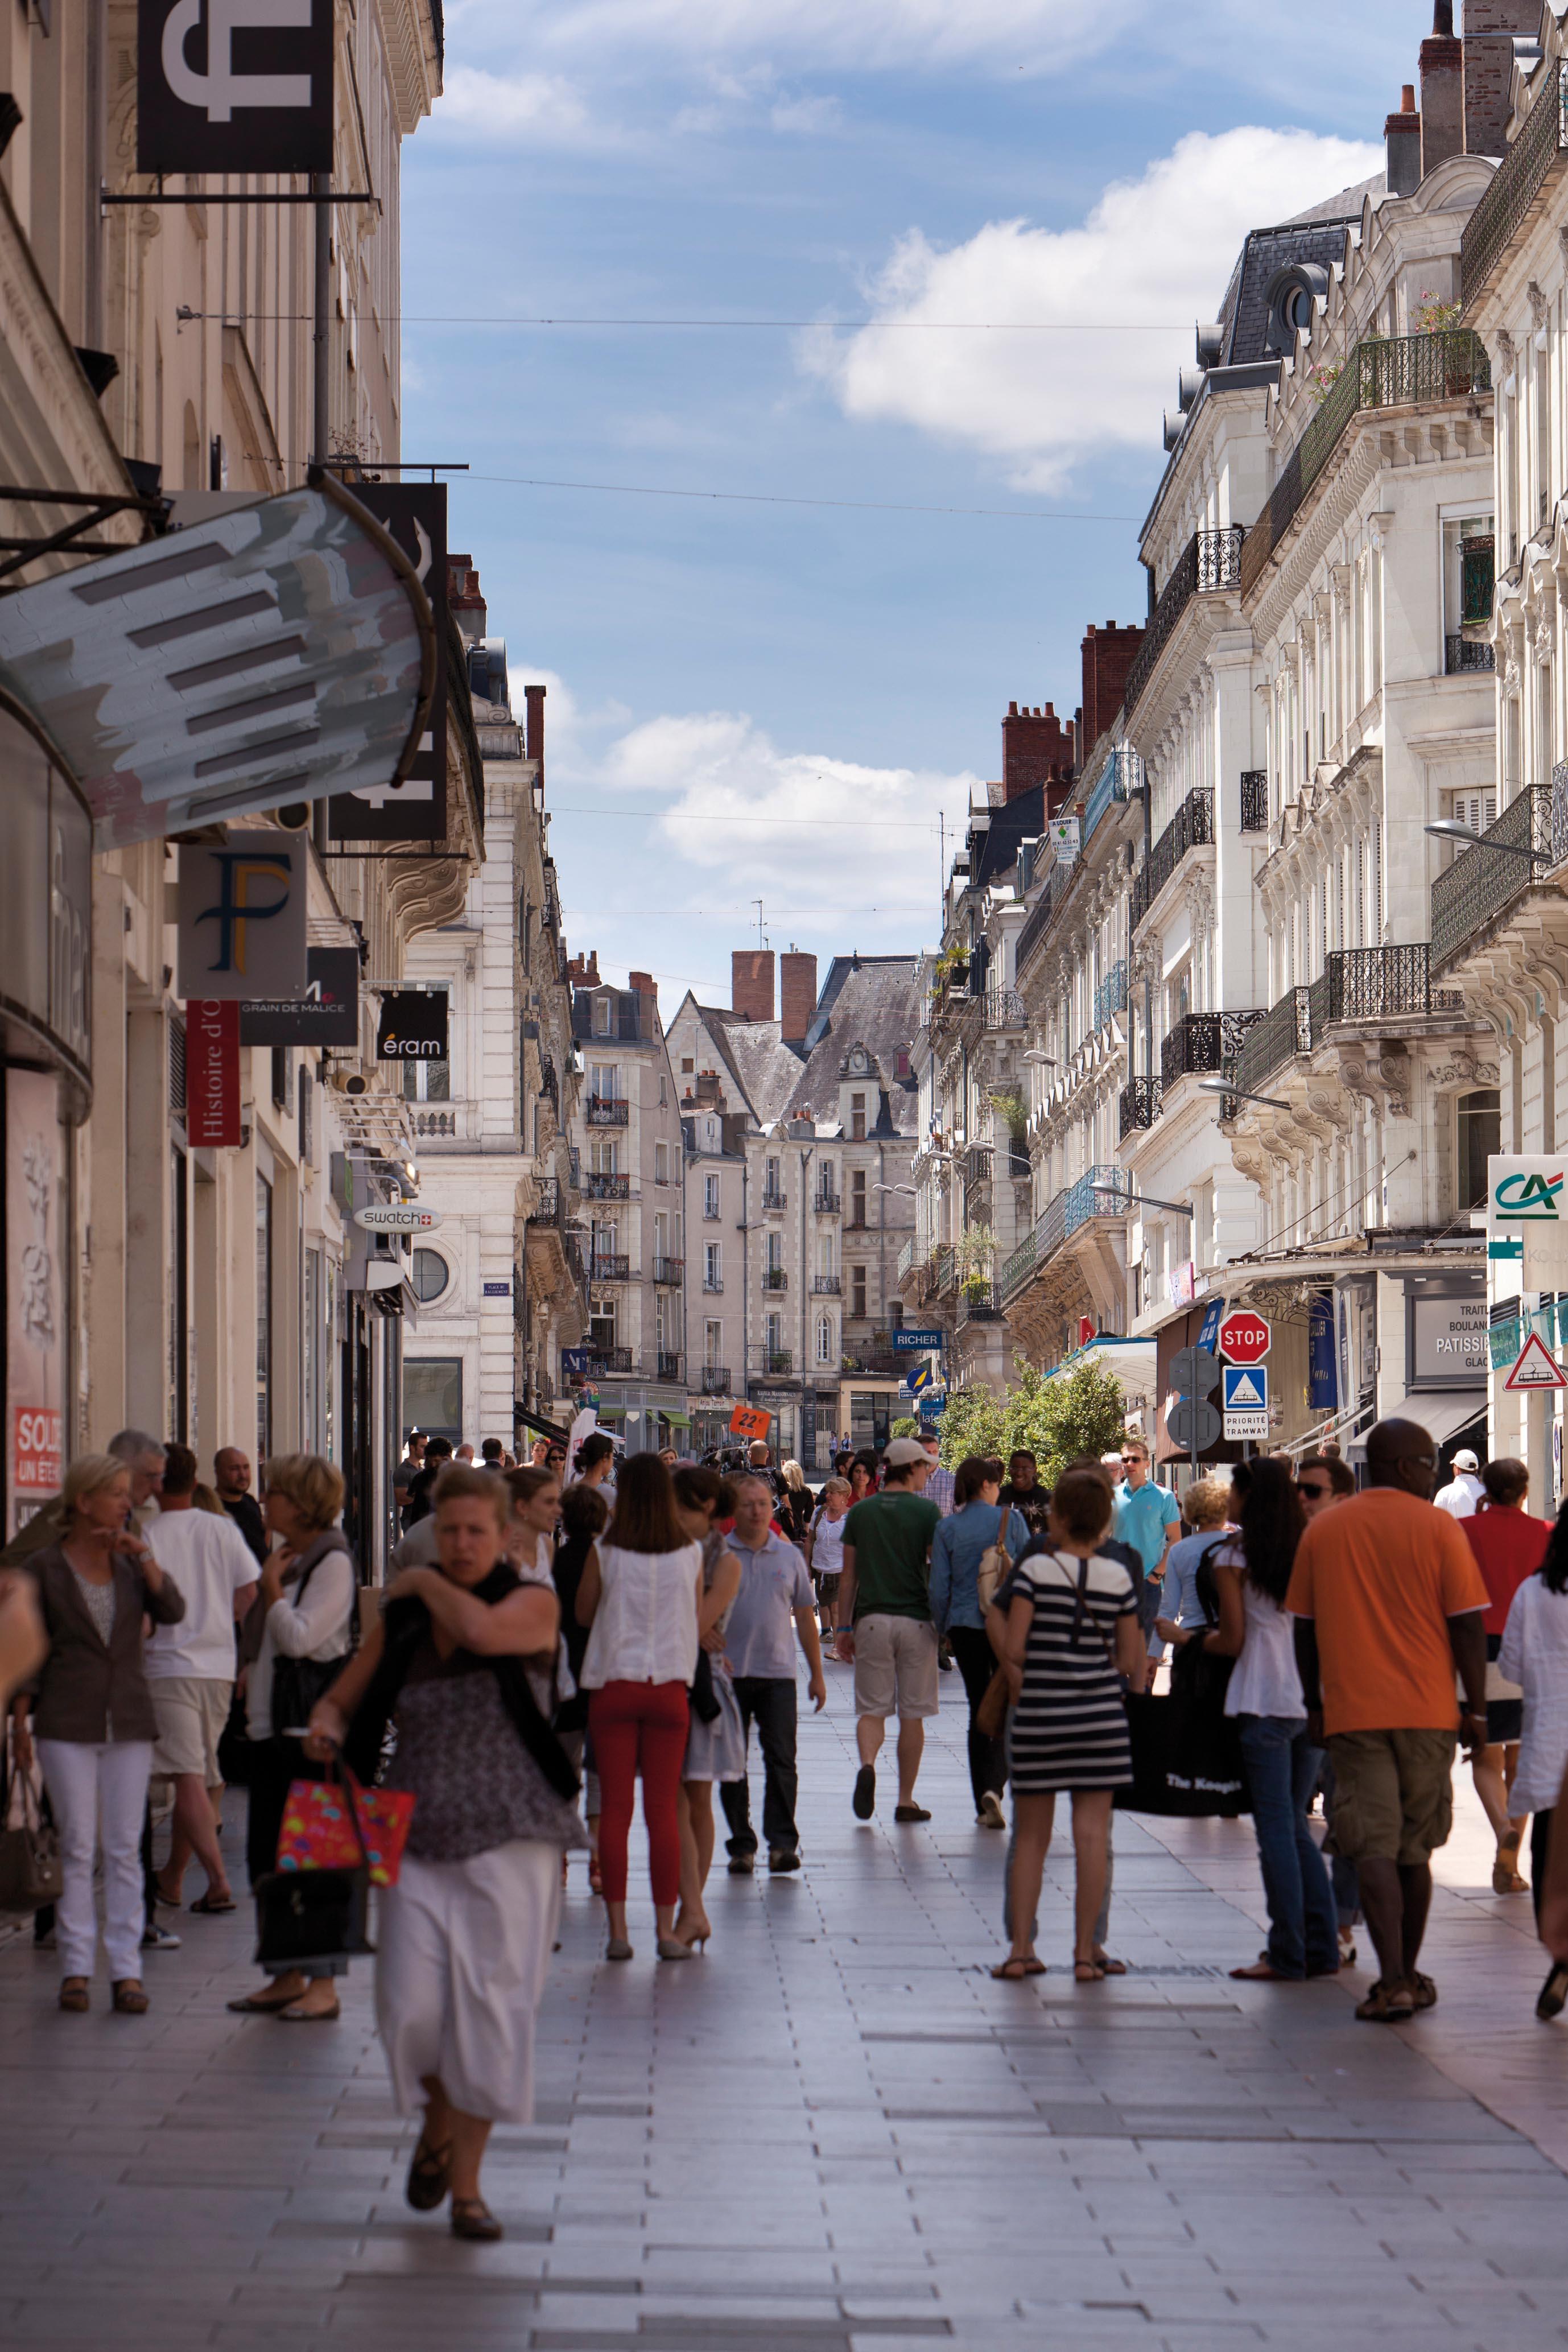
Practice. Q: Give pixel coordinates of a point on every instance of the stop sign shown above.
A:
(1244, 1336)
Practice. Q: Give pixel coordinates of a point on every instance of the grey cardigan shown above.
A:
(88, 1690)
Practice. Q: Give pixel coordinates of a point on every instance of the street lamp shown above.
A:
(1242, 1094)
(1045, 1060)
(1448, 828)
(895, 1187)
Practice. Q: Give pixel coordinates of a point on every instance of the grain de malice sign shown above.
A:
(234, 85)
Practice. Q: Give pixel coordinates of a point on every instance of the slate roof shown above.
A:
(869, 1001)
(1317, 235)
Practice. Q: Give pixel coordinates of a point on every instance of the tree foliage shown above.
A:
(1054, 1420)
(907, 1425)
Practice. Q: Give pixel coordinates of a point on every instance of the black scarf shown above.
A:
(404, 1625)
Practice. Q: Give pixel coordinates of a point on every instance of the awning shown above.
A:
(676, 1420)
(278, 652)
(1441, 1413)
(541, 1427)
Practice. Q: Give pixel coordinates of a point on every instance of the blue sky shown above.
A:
(751, 698)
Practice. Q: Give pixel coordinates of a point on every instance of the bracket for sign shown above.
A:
(279, 196)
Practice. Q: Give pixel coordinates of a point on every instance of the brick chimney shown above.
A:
(1490, 28)
(647, 989)
(533, 737)
(797, 995)
(583, 971)
(751, 983)
(1442, 66)
(1401, 138)
(468, 606)
(1037, 749)
(1107, 656)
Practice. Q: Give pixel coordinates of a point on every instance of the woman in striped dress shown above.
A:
(1072, 1630)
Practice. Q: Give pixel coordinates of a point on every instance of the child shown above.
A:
(824, 1548)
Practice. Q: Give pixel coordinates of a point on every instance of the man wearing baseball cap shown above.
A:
(885, 1622)
(1464, 1490)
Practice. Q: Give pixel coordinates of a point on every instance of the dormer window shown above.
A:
(1293, 296)
(603, 1017)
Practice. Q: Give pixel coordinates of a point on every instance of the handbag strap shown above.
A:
(338, 1773)
(1080, 1607)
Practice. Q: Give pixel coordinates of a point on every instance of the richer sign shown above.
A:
(1244, 1336)
(909, 1342)
(234, 85)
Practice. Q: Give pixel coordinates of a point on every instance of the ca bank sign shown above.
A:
(1527, 1221)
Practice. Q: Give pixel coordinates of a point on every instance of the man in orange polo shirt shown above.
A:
(1389, 1604)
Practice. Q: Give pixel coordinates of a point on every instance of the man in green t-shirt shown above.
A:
(885, 1623)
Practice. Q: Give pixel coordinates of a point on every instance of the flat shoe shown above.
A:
(214, 1905)
(75, 1995)
(863, 1803)
(671, 1947)
(741, 1865)
(129, 1998)
(263, 2004)
(294, 2015)
(1108, 1966)
(990, 1815)
(618, 1948)
(472, 2218)
(429, 2176)
(911, 1813)
(1386, 2005)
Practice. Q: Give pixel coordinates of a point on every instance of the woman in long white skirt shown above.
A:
(464, 1937)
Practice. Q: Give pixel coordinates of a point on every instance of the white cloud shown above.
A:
(807, 118)
(540, 108)
(1159, 249)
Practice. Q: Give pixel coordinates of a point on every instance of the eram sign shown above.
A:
(1536, 1368)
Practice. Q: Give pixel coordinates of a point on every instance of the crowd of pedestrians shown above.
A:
(552, 1636)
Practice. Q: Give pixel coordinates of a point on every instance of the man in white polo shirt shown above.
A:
(190, 1671)
(759, 1643)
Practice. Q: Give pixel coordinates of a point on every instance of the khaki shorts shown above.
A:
(191, 1713)
(895, 1667)
(1393, 1793)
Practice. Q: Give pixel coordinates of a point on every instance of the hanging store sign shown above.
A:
(1527, 1212)
(234, 85)
(282, 650)
(750, 1421)
(399, 1217)
(212, 1073)
(1323, 1354)
(411, 1027)
(908, 1341)
(413, 807)
(242, 918)
(327, 1015)
(35, 1294)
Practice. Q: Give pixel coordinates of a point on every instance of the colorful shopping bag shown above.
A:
(318, 1832)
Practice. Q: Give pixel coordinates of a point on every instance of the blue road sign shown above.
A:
(908, 1342)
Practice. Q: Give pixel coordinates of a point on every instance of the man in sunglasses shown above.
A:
(1389, 1605)
(1320, 1481)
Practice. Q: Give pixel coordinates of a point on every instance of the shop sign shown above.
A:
(242, 918)
(398, 1217)
(750, 1421)
(35, 1294)
(415, 809)
(327, 1015)
(212, 1074)
(1447, 1340)
(909, 1342)
(1323, 1354)
(1527, 1206)
(411, 1027)
(234, 85)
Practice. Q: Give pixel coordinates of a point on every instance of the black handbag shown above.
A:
(701, 1694)
(31, 1871)
(304, 1917)
(1186, 1751)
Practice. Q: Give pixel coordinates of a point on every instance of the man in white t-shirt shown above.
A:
(1461, 1496)
(190, 1671)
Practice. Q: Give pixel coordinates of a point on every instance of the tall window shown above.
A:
(661, 1163)
(709, 1196)
(857, 1118)
(858, 1197)
(713, 1267)
(824, 1339)
(824, 1180)
(771, 1187)
(712, 1343)
(1480, 1134)
(857, 1292)
(427, 1081)
(604, 1081)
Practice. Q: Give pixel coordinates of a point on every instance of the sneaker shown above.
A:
(742, 1864)
(160, 1939)
(991, 1816)
(783, 1858)
(864, 1801)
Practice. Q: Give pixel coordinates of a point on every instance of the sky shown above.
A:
(935, 269)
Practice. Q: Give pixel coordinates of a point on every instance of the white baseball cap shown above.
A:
(1465, 1460)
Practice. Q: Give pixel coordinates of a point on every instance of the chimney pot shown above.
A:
(797, 996)
(1407, 99)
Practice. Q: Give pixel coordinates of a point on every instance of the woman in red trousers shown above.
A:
(639, 1592)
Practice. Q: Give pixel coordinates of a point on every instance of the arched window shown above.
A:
(432, 1274)
(824, 1339)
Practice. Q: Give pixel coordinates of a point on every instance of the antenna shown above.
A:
(762, 941)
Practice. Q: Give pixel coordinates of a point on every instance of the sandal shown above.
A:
(263, 2004)
(472, 2218)
(295, 2015)
(212, 1905)
(1262, 1970)
(1423, 1991)
(1506, 1879)
(1014, 1970)
(1387, 2004)
(74, 1994)
(1108, 1966)
(1087, 1972)
(429, 2176)
(129, 1998)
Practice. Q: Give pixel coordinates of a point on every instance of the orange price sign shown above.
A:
(749, 1421)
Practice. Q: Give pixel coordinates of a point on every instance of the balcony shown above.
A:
(597, 1187)
(907, 1256)
(1140, 1103)
(1103, 1191)
(609, 1266)
(1118, 777)
(1004, 1009)
(1058, 881)
(1202, 1043)
(774, 1363)
(979, 1302)
(946, 1273)
(546, 1210)
(1535, 157)
(1385, 372)
(1254, 799)
(712, 1284)
(1366, 985)
(713, 1380)
(1285, 1031)
(828, 1285)
(773, 1199)
(1463, 656)
(1482, 882)
(435, 1122)
(1111, 996)
(827, 1203)
(1211, 560)
(670, 1270)
(1191, 827)
(774, 1277)
(602, 1360)
(973, 1164)
(666, 1367)
(606, 1110)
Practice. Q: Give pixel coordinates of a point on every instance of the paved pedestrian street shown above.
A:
(833, 2133)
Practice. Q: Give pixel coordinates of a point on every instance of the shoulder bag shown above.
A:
(299, 1683)
(1186, 1751)
(31, 1871)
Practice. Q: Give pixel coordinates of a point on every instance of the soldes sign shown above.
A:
(234, 85)
(413, 1027)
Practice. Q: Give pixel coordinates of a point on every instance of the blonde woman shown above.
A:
(306, 1602)
(92, 1718)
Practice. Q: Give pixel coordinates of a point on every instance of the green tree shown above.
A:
(974, 1423)
(907, 1425)
(1054, 1420)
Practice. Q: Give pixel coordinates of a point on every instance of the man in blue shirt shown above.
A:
(1148, 1518)
(759, 1643)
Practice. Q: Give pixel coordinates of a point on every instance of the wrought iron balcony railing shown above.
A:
(1211, 558)
(713, 1380)
(1202, 1043)
(1384, 371)
(598, 1187)
(831, 1285)
(975, 1164)
(609, 1266)
(772, 1197)
(1535, 157)
(1461, 655)
(547, 1208)
(1254, 799)
(1140, 1104)
(712, 1284)
(1191, 827)
(1284, 1031)
(1004, 1009)
(670, 1270)
(979, 1302)
(1111, 996)
(668, 1364)
(1121, 776)
(826, 1201)
(1369, 984)
(774, 1277)
(1484, 880)
(607, 1359)
(1102, 1190)
(607, 1111)
(774, 1362)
